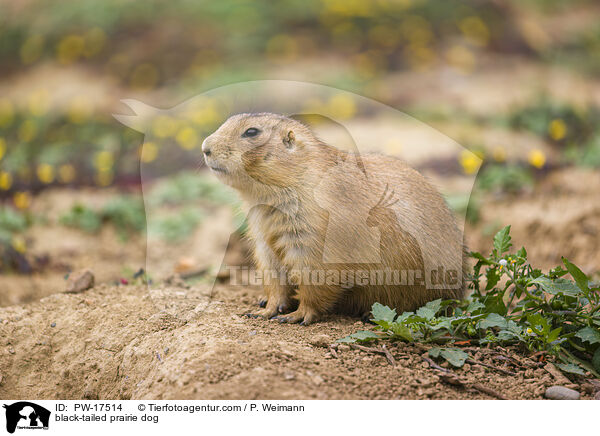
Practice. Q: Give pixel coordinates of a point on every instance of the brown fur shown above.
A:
(295, 186)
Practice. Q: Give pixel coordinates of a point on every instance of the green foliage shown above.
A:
(454, 356)
(587, 155)
(82, 217)
(505, 178)
(175, 227)
(519, 305)
(11, 222)
(126, 213)
(188, 186)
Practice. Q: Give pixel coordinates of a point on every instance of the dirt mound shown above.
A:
(176, 343)
(561, 217)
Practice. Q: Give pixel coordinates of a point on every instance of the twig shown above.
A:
(383, 351)
(488, 391)
(333, 352)
(487, 365)
(366, 349)
(434, 365)
(388, 355)
(452, 378)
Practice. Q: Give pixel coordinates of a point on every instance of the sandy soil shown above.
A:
(126, 342)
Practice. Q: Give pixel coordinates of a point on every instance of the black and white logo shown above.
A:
(26, 415)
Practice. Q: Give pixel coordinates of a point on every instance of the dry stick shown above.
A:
(388, 355)
(384, 351)
(487, 365)
(367, 349)
(452, 378)
(333, 352)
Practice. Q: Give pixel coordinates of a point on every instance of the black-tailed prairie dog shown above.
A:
(332, 231)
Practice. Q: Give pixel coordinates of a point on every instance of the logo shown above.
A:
(26, 415)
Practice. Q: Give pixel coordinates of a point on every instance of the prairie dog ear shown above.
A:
(289, 140)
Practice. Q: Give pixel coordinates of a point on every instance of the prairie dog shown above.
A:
(334, 230)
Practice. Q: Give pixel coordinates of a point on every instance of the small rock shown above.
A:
(561, 393)
(53, 324)
(320, 341)
(80, 281)
(289, 375)
(597, 396)
(252, 333)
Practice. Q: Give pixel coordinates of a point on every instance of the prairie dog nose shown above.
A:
(206, 147)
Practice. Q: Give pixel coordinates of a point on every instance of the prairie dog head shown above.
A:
(263, 148)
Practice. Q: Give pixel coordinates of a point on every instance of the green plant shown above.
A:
(175, 227)
(505, 178)
(587, 155)
(515, 304)
(82, 217)
(126, 213)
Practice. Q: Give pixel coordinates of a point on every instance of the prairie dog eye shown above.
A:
(252, 131)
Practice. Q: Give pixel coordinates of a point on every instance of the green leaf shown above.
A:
(360, 336)
(553, 335)
(596, 360)
(557, 286)
(426, 313)
(502, 241)
(492, 277)
(474, 306)
(493, 320)
(480, 258)
(402, 331)
(522, 253)
(507, 335)
(538, 324)
(435, 352)
(454, 356)
(589, 334)
(579, 276)
(383, 313)
(571, 368)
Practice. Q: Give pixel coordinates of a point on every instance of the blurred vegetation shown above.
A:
(190, 45)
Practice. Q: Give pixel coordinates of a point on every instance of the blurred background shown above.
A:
(515, 82)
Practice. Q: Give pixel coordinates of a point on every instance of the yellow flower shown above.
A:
(38, 102)
(69, 49)
(66, 173)
(18, 243)
(148, 152)
(80, 109)
(529, 331)
(537, 158)
(104, 160)
(94, 41)
(187, 138)
(475, 31)
(470, 162)
(5, 180)
(22, 199)
(2, 148)
(27, 131)
(32, 49)
(557, 129)
(7, 112)
(342, 106)
(45, 173)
